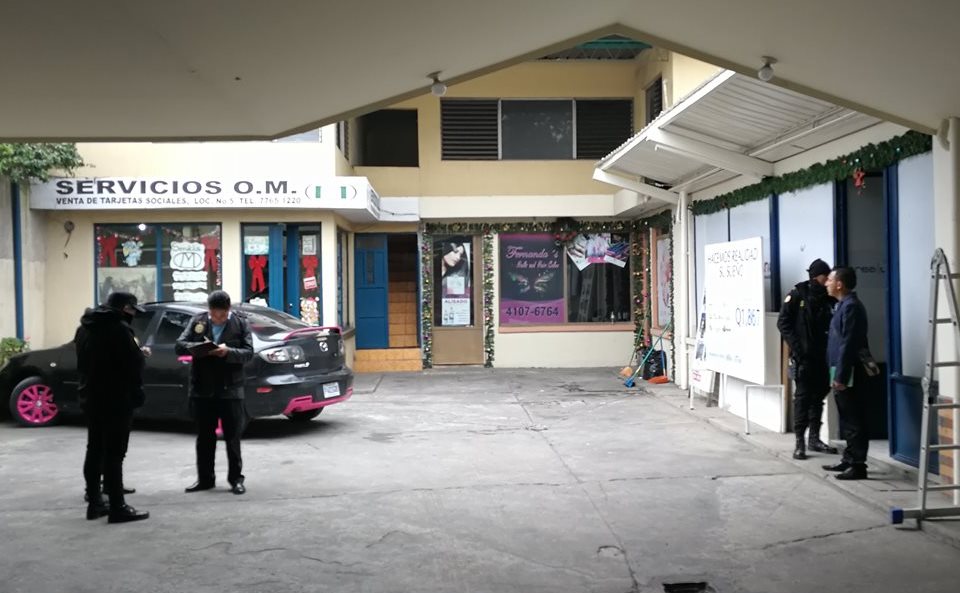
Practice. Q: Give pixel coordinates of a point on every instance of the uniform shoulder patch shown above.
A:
(787, 300)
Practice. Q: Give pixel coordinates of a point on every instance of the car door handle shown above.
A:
(185, 359)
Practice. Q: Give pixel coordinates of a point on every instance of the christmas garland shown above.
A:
(488, 294)
(426, 297)
(871, 157)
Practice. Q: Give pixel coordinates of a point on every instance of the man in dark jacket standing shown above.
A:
(847, 340)
(110, 365)
(804, 322)
(221, 344)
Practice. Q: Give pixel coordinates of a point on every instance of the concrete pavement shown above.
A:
(460, 480)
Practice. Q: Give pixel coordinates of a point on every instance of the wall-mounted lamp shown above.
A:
(765, 73)
(437, 89)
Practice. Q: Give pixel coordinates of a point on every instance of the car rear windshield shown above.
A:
(267, 324)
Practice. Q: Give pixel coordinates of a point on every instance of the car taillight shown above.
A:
(283, 354)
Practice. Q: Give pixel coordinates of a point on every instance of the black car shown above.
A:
(297, 370)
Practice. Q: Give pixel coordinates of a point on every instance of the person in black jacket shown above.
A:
(110, 365)
(847, 342)
(804, 321)
(216, 386)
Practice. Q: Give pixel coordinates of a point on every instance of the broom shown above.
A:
(632, 379)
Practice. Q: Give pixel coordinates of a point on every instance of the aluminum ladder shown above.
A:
(939, 272)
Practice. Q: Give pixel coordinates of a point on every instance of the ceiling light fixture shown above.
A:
(765, 73)
(437, 89)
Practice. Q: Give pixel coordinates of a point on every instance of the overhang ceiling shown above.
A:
(177, 69)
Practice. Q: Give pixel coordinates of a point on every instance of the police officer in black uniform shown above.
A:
(216, 386)
(110, 365)
(804, 323)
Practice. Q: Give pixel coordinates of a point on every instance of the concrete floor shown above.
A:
(459, 480)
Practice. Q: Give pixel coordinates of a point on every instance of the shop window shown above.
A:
(281, 268)
(585, 281)
(178, 261)
(453, 260)
(388, 138)
(492, 129)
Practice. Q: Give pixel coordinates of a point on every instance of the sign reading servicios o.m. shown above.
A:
(733, 290)
(137, 193)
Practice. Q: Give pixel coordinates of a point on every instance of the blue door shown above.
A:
(372, 293)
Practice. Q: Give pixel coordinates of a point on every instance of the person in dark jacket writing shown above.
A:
(847, 340)
(804, 322)
(220, 343)
(110, 364)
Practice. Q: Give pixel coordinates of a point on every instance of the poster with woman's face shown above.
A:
(453, 271)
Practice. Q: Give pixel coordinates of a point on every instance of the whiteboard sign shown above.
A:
(734, 295)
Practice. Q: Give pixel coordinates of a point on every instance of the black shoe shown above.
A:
(840, 467)
(799, 454)
(97, 509)
(238, 488)
(821, 447)
(125, 514)
(198, 486)
(854, 472)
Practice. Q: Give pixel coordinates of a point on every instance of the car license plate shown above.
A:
(331, 389)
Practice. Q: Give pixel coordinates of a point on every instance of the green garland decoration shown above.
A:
(488, 297)
(426, 297)
(870, 158)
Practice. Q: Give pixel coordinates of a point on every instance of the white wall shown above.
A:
(753, 220)
(709, 229)
(806, 233)
(8, 324)
(916, 244)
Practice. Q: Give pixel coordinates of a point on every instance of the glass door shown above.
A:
(282, 269)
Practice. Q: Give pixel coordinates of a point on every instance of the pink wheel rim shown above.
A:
(35, 404)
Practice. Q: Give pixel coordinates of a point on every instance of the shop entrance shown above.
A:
(457, 300)
(387, 297)
(281, 268)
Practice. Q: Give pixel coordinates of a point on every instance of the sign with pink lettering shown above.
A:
(531, 279)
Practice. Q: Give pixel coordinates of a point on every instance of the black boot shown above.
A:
(121, 512)
(800, 452)
(96, 506)
(815, 444)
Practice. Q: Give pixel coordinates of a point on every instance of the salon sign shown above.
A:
(139, 193)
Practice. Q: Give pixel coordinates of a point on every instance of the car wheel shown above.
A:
(32, 403)
(305, 416)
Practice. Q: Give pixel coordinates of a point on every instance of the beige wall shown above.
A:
(131, 159)
(69, 273)
(8, 322)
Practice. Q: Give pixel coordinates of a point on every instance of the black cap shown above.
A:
(119, 300)
(818, 268)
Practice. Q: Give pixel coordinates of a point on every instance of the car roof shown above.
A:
(194, 308)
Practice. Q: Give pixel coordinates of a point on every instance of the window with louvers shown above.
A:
(469, 129)
(602, 126)
(654, 100)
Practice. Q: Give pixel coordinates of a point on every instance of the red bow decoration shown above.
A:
(210, 245)
(310, 263)
(859, 179)
(257, 263)
(108, 248)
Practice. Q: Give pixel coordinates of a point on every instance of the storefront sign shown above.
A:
(139, 193)
(531, 279)
(733, 342)
(256, 245)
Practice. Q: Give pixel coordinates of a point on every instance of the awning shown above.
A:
(732, 125)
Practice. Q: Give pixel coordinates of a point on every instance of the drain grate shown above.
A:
(688, 588)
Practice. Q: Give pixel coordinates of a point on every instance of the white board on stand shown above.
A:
(734, 295)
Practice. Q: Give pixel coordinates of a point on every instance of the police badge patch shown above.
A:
(199, 328)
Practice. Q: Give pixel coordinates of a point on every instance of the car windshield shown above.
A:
(266, 324)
